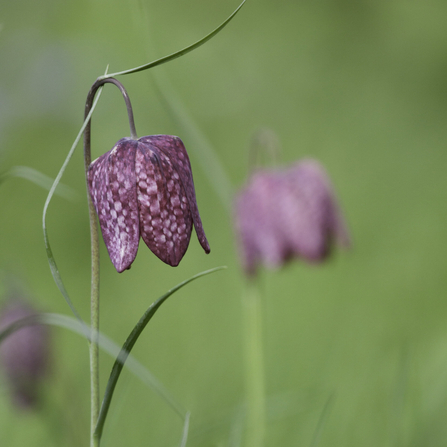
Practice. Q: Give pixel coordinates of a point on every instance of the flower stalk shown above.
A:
(254, 369)
(94, 238)
(280, 214)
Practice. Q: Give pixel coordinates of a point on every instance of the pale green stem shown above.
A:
(94, 235)
(254, 368)
(94, 323)
(94, 292)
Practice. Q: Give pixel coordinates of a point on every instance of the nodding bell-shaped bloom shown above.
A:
(24, 354)
(283, 214)
(145, 188)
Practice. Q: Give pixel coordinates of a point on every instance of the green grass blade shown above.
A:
(39, 179)
(18, 324)
(236, 429)
(177, 54)
(185, 430)
(53, 266)
(128, 345)
(206, 154)
(322, 421)
(105, 343)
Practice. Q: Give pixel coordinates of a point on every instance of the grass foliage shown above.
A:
(355, 351)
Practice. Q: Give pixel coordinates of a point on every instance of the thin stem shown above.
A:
(88, 104)
(94, 236)
(94, 295)
(254, 368)
(265, 148)
(53, 266)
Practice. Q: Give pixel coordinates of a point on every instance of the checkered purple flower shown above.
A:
(145, 188)
(283, 214)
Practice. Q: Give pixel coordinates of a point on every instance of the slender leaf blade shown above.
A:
(39, 179)
(128, 345)
(322, 421)
(206, 153)
(53, 266)
(177, 54)
(185, 430)
(105, 343)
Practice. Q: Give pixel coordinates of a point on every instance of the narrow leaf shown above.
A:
(206, 153)
(18, 324)
(106, 345)
(322, 421)
(128, 345)
(39, 179)
(185, 430)
(51, 260)
(177, 54)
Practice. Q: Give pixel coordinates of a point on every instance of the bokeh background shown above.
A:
(357, 346)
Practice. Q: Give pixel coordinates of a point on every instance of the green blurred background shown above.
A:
(360, 85)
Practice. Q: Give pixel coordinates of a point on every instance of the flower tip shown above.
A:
(121, 259)
(205, 245)
(121, 269)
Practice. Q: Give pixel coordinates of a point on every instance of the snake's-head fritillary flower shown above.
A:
(24, 354)
(283, 214)
(145, 188)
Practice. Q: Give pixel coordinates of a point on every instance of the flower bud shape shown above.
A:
(145, 188)
(24, 354)
(283, 214)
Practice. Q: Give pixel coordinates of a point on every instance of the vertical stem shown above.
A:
(94, 323)
(94, 236)
(94, 289)
(254, 368)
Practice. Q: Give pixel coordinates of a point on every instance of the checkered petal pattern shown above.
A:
(145, 188)
(288, 213)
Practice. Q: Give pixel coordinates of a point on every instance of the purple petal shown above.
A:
(281, 214)
(24, 355)
(175, 151)
(112, 186)
(315, 216)
(302, 207)
(256, 223)
(165, 216)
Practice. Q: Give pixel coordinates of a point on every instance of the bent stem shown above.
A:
(254, 367)
(94, 237)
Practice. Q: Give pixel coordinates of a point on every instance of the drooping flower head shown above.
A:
(24, 354)
(145, 188)
(283, 214)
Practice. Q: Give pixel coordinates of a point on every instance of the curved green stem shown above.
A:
(94, 293)
(88, 104)
(53, 266)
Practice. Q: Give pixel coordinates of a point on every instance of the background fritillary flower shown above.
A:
(288, 213)
(24, 354)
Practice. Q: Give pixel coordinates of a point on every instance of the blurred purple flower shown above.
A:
(282, 214)
(145, 188)
(24, 354)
